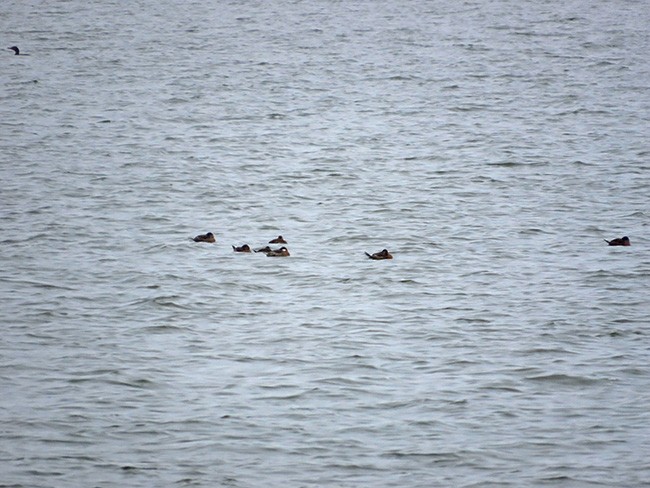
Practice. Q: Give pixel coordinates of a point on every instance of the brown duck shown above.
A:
(244, 248)
(209, 237)
(283, 251)
(619, 241)
(380, 255)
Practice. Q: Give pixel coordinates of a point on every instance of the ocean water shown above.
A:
(490, 146)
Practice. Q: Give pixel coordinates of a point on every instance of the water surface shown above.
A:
(490, 146)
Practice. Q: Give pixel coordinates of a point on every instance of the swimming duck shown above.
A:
(244, 248)
(263, 249)
(17, 51)
(380, 255)
(283, 251)
(619, 241)
(209, 237)
(278, 240)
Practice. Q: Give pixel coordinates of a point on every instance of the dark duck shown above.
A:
(17, 51)
(619, 241)
(209, 237)
(244, 248)
(384, 254)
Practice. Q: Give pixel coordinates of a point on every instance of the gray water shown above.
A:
(490, 146)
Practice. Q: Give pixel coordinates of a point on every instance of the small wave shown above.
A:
(141, 383)
(41, 284)
(160, 329)
(564, 379)
(535, 231)
(26, 239)
(168, 301)
(288, 396)
(563, 479)
(546, 350)
(128, 467)
(438, 457)
(510, 389)
(162, 301)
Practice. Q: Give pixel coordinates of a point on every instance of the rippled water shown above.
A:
(490, 146)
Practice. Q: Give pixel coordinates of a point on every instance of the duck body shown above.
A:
(283, 251)
(278, 240)
(264, 249)
(384, 254)
(209, 237)
(244, 248)
(619, 241)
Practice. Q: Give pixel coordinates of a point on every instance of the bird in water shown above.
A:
(278, 240)
(17, 51)
(384, 254)
(619, 241)
(283, 251)
(209, 237)
(244, 248)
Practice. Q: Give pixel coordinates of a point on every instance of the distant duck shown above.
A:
(278, 240)
(264, 249)
(244, 248)
(209, 237)
(283, 251)
(17, 51)
(380, 255)
(619, 241)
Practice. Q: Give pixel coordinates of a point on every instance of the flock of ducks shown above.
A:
(383, 254)
(282, 251)
(279, 252)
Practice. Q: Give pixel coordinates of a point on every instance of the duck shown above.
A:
(278, 240)
(384, 254)
(244, 248)
(619, 241)
(17, 51)
(283, 251)
(263, 249)
(209, 237)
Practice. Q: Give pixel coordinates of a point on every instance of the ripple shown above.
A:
(564, 379)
